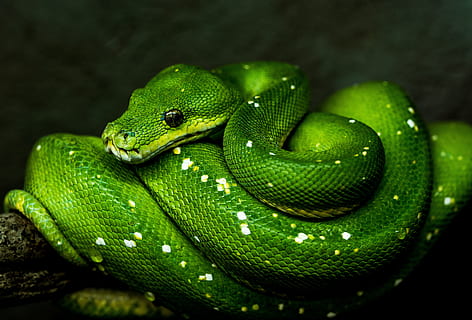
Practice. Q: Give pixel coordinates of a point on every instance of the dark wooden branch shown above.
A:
(29, 268)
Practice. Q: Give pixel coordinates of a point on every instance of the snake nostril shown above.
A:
(124, 139)
(127, 135)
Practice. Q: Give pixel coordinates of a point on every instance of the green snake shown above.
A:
(253, 220)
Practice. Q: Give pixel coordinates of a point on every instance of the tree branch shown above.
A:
(29, 268)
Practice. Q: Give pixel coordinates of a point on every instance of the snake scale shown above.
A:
(208, 202)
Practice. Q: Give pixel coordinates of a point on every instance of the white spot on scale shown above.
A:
(301, 237)
(221, 180)
(412, 124)
(138, 236)
(186, 163)
(249, 144)
(100, 242)
(223, 185)
(352, 121)
(241, 215)
(346, 235)
(166, 248)
(206, 277)
(130, 243)
(38, 147)
(448, 201)
(245, 229)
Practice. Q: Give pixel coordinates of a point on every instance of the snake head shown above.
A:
(180, 104)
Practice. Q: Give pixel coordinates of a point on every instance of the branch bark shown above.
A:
(29, 268)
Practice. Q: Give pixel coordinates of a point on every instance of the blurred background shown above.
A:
(70, 66)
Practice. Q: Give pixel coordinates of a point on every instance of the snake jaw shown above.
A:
(146, 152)
(129, 156)
(124, 146)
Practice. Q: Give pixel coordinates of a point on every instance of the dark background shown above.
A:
(70, 66)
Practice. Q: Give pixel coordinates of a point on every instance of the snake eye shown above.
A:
(174, 118)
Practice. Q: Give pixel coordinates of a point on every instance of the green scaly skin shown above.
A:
(184, 228)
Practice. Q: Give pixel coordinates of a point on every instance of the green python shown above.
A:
(253, 220)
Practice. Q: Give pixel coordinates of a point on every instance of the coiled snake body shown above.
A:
(195, 229)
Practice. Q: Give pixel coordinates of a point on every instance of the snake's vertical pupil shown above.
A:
(174, 118)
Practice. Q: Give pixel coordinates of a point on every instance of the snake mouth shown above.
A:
(125, 147)
(128, 156)
(149, 151)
